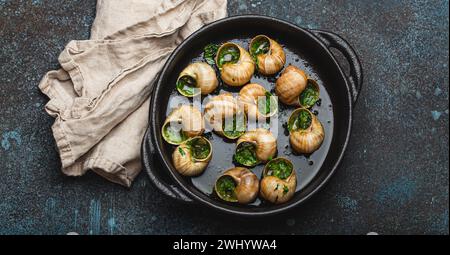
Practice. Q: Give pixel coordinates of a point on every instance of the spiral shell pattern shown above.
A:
(203, 75)
(249, 96)
(188, 119)
(276, 190)
(265, 141)
(271, 62)
(219, 109)
(239, 73)
(307, 140)
(290, 85)
(184, 159)
(247, 185)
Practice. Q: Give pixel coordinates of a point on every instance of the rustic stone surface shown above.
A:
(393, 179)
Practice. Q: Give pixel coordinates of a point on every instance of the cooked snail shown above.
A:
(183, 122)
(192, 156)
(237, 185)
(290, 85)
(254, 147)
(268, 54)
(257, 101)
(306, 133)
(222, 112)
(235, 64)
(279, 181)
(197, 78)
(310, 95)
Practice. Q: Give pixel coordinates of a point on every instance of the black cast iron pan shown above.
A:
(306, 49)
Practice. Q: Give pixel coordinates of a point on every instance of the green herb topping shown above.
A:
(186, 85)
(209, 53)
(181, 151)
(279, 168)
(225, 187)
(173, 135)
(200, 148)
(285, 190)
(267, 104)
(309, 96)
(260, 45)
(228, 54)
(300, 120)
(234, 129)
(246, 154)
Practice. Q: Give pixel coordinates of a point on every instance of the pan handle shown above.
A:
(150, 163)
(356, 72)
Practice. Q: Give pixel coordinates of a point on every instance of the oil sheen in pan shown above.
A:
(306, 166)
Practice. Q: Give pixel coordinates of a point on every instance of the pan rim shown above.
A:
(240, 210)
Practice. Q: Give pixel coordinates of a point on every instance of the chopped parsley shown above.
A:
(309, 96)
(260, 45)
(225, 188)
(246, 154)
(199, 147)
(279, 168)
(181, 151)
(266, 104)
(186, 85)
(234, 129)
(285, 190)
(300, 120)
(228, 54)
(209, 53)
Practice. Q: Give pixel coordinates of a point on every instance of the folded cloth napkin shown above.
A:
(100, 96)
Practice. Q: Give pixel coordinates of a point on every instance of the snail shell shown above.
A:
(192, 156)
(221, 110)
(290, 85)
(235, 71)
(261, 142)
(245, 188)
(308, 138)
(183, 122)
(252, 95)
(199, 75)
(269, 60)
(278, 189)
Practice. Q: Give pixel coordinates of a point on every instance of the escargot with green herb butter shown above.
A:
(268, 54)
(197, 78)
(235, 64)
(257, 101)
(183, 122)
(192, 156)
(306, 133)
(294, 87)
(279, 181)
(255, 147)
(237, 185)
(223, 113)
(290, 85)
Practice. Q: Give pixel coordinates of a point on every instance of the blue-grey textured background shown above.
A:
(393, 179)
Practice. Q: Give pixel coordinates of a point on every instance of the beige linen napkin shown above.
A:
(100, 95)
